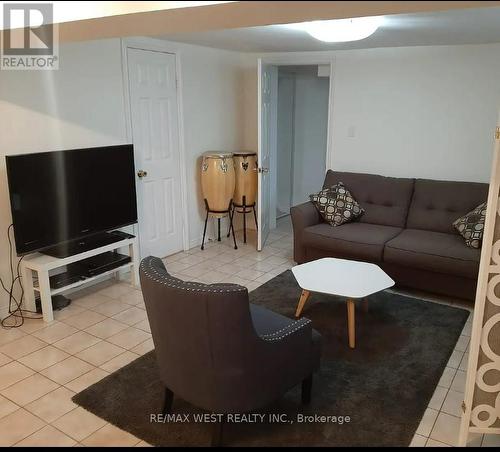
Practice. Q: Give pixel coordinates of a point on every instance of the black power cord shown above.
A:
(17, 314)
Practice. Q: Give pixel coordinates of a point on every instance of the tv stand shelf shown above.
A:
(43, 264)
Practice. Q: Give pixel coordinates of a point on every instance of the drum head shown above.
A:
(217, 155)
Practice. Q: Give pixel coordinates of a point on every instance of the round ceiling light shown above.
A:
(340, 30)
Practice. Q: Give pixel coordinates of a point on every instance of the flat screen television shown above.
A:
(62, 196)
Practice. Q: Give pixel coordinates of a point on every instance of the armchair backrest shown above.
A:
(199, 331)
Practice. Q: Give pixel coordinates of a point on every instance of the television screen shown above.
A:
(60, 196)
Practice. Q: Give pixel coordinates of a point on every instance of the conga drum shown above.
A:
(245, 166)
(217, 185)
(245, 192)
(218, 181)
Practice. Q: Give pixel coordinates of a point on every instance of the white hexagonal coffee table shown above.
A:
(345, 278)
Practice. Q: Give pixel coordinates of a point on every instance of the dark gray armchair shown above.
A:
(220, 353)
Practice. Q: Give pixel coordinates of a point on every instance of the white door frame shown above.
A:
(157, 45)
(306, 60)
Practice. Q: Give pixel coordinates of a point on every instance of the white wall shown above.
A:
(417, 112)
(82, 105)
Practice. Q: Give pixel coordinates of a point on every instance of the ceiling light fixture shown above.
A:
(340, 30)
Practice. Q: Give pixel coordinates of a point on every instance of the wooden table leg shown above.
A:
(303, 298)
(351, 323)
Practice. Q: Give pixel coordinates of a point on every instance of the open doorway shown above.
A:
(301, 138)
(302, 92)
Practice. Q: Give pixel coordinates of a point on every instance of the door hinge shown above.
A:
(464, 406)
(497, 133)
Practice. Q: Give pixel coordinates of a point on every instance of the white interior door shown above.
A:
(267, 100)
(155, 134)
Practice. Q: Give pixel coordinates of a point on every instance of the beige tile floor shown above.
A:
(43, 365)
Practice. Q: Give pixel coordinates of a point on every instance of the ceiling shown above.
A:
(101, 20)
(455, 27)
(69, 11)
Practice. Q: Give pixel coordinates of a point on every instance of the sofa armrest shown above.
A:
(303, 216)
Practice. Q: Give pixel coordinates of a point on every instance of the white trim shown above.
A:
(273, 158)
(293, 148)
(159, 45)
(259, 153)
(195, 243)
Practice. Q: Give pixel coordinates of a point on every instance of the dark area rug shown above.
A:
(384, 385)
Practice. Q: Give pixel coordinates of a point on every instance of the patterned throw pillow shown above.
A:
(336, 205)
(471, 226)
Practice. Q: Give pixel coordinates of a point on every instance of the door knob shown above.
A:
(142, 173)
(263, 170)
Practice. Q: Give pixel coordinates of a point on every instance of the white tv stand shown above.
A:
(42, 264)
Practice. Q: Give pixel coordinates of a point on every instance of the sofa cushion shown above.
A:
(384, 199)
(351, 240)
(433, 251)
(471, 226)
(336, 205)
(437, 204)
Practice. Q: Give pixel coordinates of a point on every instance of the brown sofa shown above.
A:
(406, 229)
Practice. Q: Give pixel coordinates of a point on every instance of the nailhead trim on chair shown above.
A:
(166, 279)
(286, 331)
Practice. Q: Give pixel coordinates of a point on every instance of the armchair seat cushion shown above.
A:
(361, 241)
(433, 251)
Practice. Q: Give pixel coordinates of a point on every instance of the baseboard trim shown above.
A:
(123, 276)
(194, 243)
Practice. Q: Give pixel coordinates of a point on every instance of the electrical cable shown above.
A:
(17, 312)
